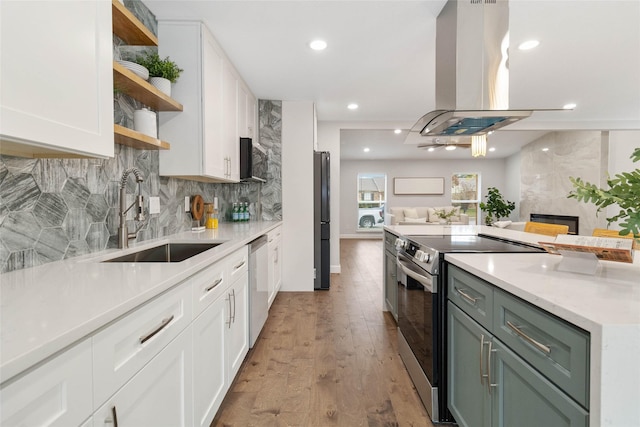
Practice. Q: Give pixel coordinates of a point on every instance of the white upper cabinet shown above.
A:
(205, 136)
(56, 78)
(247, 112)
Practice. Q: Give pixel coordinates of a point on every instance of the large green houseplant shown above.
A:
(624, 191)
(496, 206)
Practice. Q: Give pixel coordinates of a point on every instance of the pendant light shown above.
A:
(479, 145)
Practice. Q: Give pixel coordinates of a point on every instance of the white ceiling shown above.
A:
(381, 55)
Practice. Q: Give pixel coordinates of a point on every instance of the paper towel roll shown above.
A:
(144, 121)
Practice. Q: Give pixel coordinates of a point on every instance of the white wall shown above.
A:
(329, 140)
(492, 174)
(297, 195)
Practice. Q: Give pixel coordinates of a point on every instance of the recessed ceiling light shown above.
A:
(318, 45)
(492, 149)
(450, 147)
(569, 106)
(431, 149)
(352, 106)
(397, 131)
(545, 149)
(366, 149)
(529, 44)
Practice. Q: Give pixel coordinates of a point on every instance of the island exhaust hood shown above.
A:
(472, 75)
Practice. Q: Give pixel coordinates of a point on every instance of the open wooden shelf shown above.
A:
(140, 141)
(129, 28)
(127, 82)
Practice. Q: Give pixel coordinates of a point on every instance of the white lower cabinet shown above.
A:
(238, 325)
(275, 263)
(159, 395)
(58, 393)
(163, 364)
(123, 348)
(210, 373)
(220, 344)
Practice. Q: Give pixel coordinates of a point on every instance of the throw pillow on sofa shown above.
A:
(410, 213)
(415, 220)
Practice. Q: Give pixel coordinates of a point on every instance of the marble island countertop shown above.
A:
(47, 308)
(606, 304)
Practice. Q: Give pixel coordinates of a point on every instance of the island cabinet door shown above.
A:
(159, 395)
(467, 369)
(522, 397)
(391, 284)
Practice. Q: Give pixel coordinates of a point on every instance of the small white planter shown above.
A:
(162, 84)
(144, 121)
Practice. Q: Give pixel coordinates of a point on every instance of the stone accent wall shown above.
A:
(545, 175)
(54, 209)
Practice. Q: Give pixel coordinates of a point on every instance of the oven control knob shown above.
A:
(422, 256)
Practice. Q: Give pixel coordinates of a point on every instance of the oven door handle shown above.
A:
(425, 280)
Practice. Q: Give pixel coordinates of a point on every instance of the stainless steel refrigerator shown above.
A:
(321, 219)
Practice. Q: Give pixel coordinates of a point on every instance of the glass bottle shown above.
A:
(209, 223)
(235, 213)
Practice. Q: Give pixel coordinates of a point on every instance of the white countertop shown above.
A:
(606, 304)
(47, 308)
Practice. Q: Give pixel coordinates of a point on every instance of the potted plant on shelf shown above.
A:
(624, 191)
(496, 206)
(162, 72)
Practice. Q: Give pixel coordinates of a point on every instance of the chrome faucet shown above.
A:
(123, 233)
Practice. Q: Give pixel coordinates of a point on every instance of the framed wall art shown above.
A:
(427, 185)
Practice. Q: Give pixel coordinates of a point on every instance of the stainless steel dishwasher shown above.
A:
(258, 284)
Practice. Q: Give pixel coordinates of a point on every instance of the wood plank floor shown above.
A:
(328, 358)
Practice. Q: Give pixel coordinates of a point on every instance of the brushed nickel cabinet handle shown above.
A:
(233, 292)
(482, 376)
(229, 322)
(114, 415)
(543, 348)
(216, 283)
(490, 385)
(160, 327)
(235, 267)
(466, 296)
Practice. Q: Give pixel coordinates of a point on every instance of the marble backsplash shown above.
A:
(545, 175)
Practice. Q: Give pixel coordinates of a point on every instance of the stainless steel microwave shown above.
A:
(253, 161)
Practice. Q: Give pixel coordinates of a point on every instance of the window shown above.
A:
(465, 193)
(371, 201)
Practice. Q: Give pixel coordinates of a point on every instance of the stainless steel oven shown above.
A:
(417, 321)
(422, 295)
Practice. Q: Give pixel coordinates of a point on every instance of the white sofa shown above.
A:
(424, 215)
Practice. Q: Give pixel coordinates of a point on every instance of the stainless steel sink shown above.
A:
(170, 252)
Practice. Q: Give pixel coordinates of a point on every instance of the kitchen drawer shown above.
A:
(124, 347)
(473, 295)
(57, 393)
(238, 263)
(209, 284)
(558, 350)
